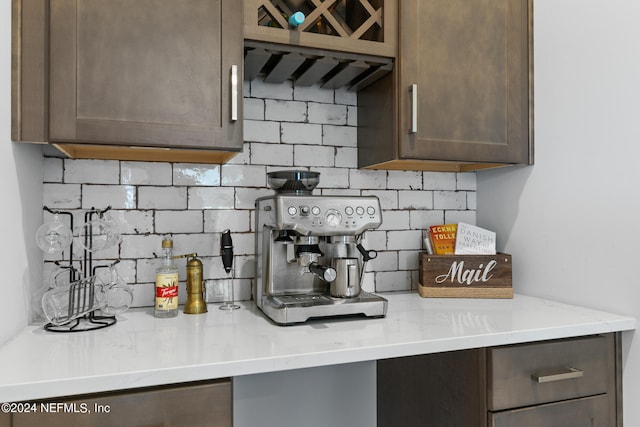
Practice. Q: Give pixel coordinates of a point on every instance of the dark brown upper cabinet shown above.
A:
(121, 79)
(460, 97)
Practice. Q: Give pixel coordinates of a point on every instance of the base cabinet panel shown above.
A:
(571, 382)
(195, 405)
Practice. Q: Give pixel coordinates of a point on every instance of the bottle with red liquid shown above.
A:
(166, 283)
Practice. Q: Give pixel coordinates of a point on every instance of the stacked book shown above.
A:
(460, 239)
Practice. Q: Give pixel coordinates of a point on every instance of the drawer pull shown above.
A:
(565, 374)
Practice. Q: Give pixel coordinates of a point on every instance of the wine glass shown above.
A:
(54, 236)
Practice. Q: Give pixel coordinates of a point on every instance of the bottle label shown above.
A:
(167, 291)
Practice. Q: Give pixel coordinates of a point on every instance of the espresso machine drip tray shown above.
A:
(298, 308)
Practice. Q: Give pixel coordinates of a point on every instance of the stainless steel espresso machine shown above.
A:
(310, 258)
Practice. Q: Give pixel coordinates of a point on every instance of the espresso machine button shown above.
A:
(333, 218)
(348, 210)
(360, 210)
(304, 210)
(292, 210)
(371, 210)
(315, 211)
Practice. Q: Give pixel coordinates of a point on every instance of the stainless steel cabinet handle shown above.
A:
(559, 375)
(234, 93)
(414, 108)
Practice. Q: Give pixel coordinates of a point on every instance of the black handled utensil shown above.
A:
(226, 251)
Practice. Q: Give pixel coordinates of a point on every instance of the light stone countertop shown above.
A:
(140, 350)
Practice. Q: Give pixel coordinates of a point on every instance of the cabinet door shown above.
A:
(586, 412)
(464, 80)
(201, 405)
(155, 73)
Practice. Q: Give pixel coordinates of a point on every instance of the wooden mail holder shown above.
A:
(465, 276)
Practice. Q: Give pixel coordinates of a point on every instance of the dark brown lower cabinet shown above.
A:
(561, 383)
(202, 404)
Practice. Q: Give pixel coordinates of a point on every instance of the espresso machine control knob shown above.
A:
(333, 218)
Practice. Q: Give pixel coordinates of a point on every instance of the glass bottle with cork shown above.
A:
(166, 300)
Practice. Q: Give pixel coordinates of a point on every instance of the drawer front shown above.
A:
(531, 374)
(585, 412)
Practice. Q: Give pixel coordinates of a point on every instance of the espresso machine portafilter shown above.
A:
(310, 259)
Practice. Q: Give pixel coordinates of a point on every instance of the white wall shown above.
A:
(572, 221)
(21, 195)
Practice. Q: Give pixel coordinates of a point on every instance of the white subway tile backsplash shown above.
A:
(345, 96)
(285, 127)
(285, 111)
(313, 93)
(92, 171)
(136, 246)
(261, 131)
(244, 243)
(301, 133)
(272, 154)
(253, 109)
(333, 177)
(466, 181)
(453, 216)
(53, 169)
(375, 239)
(419, 199)
(196, 174)
(368, 179)
(133, 221)
(245, 266)
(388, 281)
(408, 260)
(62, 196)
(330, 114)
(439, 181)
(146, 273)
(404, 180)
(423, 219)
(450, 200)
(404, 239)
(395, 220)
(388, 198)
(343, 136)
(260, 89)
(471, 200)
(339, 192)
(145, 173)
(116, 196)
(352, 116)
(243, 157)
(346, 157)
(246, 197)
(385, 261)
(220, 220)
(313, 155)
(179, 222)
(211, 198)
(162, 197)
(243, 176)
(203, 244)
